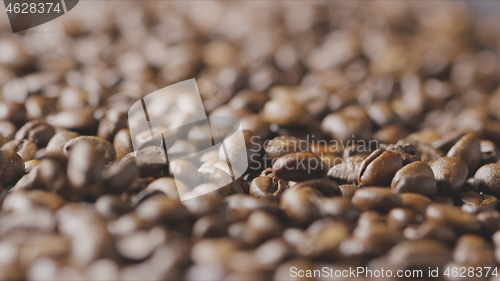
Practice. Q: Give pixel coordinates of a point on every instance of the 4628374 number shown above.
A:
(32, 8)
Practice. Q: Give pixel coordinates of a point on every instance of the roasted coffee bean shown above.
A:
(408, 152)
(114, 121)
(25, 148)
(13, 112)
(85, 166)
(399, 218)
(338, 208)
(448, 140)
(468, 149)
(111, 207)
(452, 216)
(267, 187)
(185, 171)
(369, 240)
(416, 177)
(299, 166)
(348, 190)
(331, 160)
(350, 121)
(171, 187)
(212, 225)
(325, 185)
(487, 179)
(380, 199)
(57, 142)
(52, 170)
(489, 152)
(450, 174)
(379, 168)
(119, 177)
(271, 253)
(490, 221)
(30, 165)
(419, 254)
(122, 143)
(250, 99)
(323, 242)
(101, 146)
(299, 204)
(256, 124)
(347, 172)
(80, 119)
(431, 230)
(473, 250)
(284, 111)
(11, 167)
(212, 251)
(282, 145)
(474, 202)
(259, 227)
(41, 135)
(428, 154)
(415, 201)
(234, 146)
(354, 150)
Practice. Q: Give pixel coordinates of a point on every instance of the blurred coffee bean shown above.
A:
(235, 147)
(326, 186)
(415, 201)
(490, 221)
(369, 240)
(431, 230)
(7, 129)
(379, 168)
(114, 121)
(101, 146)
(489, 152)
(487, 179)
(25, 148)
(391, 133)
(85, 166)
(408, 152)
(282, 145)
(122, 143)
(111, 207)
(450, 174)
(323, 242)
(380, 199)
(267, 187)
(11, 167)
(256, 124)
(13, 112)
(468, 149)
(347, 172)
(338, 208)
(299, 204)
(348, 190)
(80, 119)
(299, 166)
(57, 142)
(284, 111)
(399, 218)
(474, 202)
(453, 217)
(473, 250)
(30, 165)
(416, 177)
(419, 254)
(185, 171)
(350, 122)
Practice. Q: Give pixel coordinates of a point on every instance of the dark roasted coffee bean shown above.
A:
(454, 217)
(399, 218)
(282, 145)
(347, 172)
(320, 148)
(24, 131)
(415, 201)
(379, 168)
(450, 174)
(442, 199)
(430, 230)
(408, 152)
(11, 167)
(299, 204)
(331, 160)
(474, 202)
(122, 143)
(267, 187)
(428, 154)
(259, 227)
(325, 185)
(101, 146)
(468, 149)
(487, 179)
(57, 142)
(416, 177)
(299, 166)
(25, 148)
(380, 199)
(114, 121)
(41, 135)
(13, 112)
(118, 178)
(489, 152)
(473, 250)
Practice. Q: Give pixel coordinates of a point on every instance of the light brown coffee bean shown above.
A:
(450, 174)
(468, 149)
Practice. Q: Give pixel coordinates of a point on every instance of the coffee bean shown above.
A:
(468, 149)
(416, 177)
(30, 165)
(284, 111)
(431, 230)
(13, 112)
(85, 166)
(185, 171)
(473, 250)
(379, 168)
(114, 121)
(11, 167)
(122, 143)
(348, 190)
(250, 99)
(419, 254)
(453, 217)
(235, 147)
(299, 166)
(399, 218)
(450, 174)
(101, 146)
(474, 202)
(256, 124)
(324, 242)
(298, 204)
(267, 187)
(25, 148)
(369, 240)
(111, 206)
(415, 201)
(490, 221)
(80, 119)
(57, 142)
(408, 152)
(391, 133)
(350, 121)
(282, 145)
(347, 172)
(376, 198)
(326, 186)
(7, 129)
(487, 178)
(489, 152)
(338, 208)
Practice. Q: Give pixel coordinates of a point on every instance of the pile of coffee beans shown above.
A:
(371, 131)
